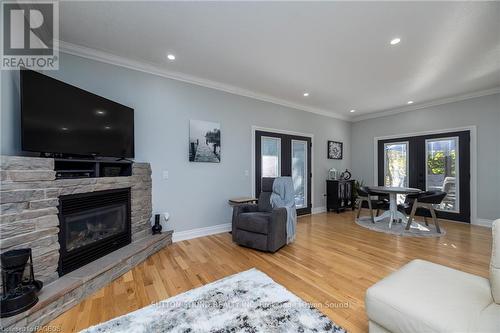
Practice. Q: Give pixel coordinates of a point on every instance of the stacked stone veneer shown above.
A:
(29, 196)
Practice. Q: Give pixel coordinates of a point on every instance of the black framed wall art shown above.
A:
(335, 150)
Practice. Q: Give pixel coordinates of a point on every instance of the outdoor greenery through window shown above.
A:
(396, 164)
(442, 170)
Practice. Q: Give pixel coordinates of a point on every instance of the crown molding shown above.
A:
(109, 58)
(437, 102)
(105, 57)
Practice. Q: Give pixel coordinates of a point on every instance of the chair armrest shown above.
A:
(237, 210)
(413, 195)
(279, 214)
(434, 198)
(245, 208)
(277, 229)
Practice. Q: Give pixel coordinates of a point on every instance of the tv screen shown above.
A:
(59, 118)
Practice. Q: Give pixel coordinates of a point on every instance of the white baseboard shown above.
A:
(318, 210)
(482, 222)
(200, 232)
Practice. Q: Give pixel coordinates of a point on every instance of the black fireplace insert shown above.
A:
(91, 226)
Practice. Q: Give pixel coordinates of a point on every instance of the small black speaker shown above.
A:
(157, 226)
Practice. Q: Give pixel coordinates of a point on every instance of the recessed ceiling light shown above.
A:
(99, 112)
(352, 111)
(395, 41)
(64, 128)
(306, 94)
(410, 102)
(170, 56)
(107, 127)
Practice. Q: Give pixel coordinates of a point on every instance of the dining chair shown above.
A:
(449, 186)
(425, 200)
(382, 201)
(365, 194)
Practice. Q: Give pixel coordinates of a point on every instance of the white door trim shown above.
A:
(282, 131)
(473, 160)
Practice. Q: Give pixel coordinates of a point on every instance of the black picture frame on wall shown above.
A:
(335, 150)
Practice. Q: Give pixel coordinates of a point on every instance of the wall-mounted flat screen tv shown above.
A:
(60, 118)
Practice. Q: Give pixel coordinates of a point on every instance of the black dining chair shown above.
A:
(382, 202)
(425, 200)
(366, 195)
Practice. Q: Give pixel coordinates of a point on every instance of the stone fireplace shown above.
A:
(74, 227)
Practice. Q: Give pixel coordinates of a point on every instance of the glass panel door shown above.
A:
(431, 162)
(442, 170)
(271, 156)
(396, 164)
(285, 155)
(299, 172)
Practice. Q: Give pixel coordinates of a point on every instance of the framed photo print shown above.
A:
(204, 141)
(335, 150)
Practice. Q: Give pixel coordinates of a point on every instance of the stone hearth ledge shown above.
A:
(70, 289)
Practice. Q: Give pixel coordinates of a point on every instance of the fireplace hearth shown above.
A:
(33, 200)
(91, 226)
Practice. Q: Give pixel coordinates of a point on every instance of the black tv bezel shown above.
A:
(69, 154)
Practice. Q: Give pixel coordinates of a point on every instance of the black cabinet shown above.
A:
(339, 195)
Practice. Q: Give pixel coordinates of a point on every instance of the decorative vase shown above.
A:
(157, 226)
(333, 174)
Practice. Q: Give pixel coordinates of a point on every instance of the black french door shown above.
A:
(430, 162)
(278, 155)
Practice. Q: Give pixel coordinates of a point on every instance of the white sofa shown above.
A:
(427, 297)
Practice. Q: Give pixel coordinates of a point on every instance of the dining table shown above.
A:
(393, 213)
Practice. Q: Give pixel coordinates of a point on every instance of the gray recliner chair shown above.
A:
(259, 226)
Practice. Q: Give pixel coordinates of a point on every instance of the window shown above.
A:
(396, 164)
(271, 157)
(442, 170)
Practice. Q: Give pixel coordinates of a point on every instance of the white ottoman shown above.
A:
(426, 297)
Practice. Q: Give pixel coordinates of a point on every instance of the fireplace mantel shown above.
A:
(29, 199)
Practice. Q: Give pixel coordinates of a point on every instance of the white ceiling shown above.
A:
(339, 52)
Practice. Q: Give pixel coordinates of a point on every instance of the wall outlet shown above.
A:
(247, 173)
(165, 174)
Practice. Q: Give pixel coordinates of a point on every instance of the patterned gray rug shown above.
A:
(417, 229)
(246, 302)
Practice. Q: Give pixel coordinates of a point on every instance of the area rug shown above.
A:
(417, 229)
(246, 302)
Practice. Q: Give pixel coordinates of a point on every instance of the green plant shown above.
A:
(439, 163)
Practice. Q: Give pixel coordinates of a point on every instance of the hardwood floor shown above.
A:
(331, 264)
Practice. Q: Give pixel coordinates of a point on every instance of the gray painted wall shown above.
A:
(483, 112)
(196, 193)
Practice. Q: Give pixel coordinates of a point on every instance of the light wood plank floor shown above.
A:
(333, 261)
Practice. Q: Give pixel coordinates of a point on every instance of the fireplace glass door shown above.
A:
(89, 226)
